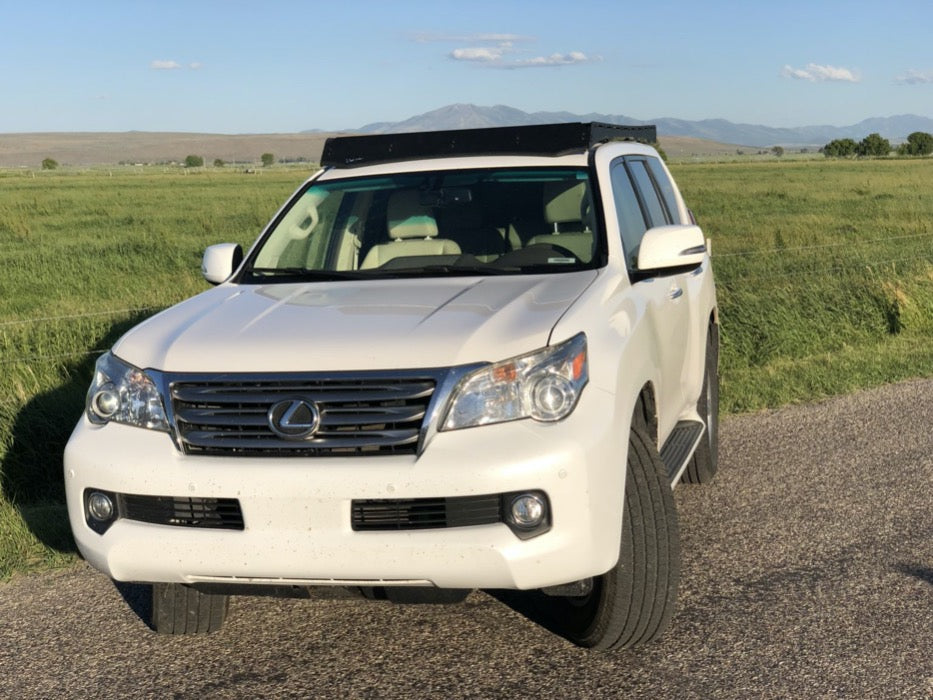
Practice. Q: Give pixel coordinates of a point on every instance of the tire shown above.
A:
(705, 461)
(178, 609)
(633, 602)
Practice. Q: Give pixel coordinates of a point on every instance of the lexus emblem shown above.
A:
(294, 419)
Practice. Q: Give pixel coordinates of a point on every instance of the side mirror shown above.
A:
(220, 261)
(667, 247)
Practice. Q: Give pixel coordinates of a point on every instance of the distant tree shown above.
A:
(267, 159)
(194, 161)
(49, 164)
(218, 163)
(874, 145)
(840, 148)
(778, 151)
(919, 143)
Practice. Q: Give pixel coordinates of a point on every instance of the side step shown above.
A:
(680, 446)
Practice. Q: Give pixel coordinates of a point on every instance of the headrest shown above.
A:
(303, 226)
(563, 203)
(408, 218)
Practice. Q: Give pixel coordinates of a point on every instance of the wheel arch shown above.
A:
(645, 412)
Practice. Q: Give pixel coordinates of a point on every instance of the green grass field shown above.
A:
(825, 272)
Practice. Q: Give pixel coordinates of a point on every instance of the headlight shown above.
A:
(544, 385)
(124, 394)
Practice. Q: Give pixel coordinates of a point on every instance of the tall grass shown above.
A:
(824, 272)
(84, 257)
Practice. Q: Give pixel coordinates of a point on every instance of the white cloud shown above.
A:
(174, 65)
(165, 65)
(555, 59)
(500, 50)
(816, 73)
(500, 38)
(479, 38)
(484, 54)
(497, 57)
(915, 77)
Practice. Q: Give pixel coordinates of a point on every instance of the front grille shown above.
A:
(425, 513)
(217, 513)
(358, 414)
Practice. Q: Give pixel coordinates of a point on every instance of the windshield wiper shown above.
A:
(551, 268)
(301, 273)
(306, 274)
(459, 270)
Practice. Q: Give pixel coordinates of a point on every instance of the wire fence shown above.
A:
(6, 359)
(821, 246)
(729, 275)
(51, 358)
(71, 317)
(839, 270)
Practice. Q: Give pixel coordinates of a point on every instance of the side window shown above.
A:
(631, 220)
(649, 195)
(666, 188)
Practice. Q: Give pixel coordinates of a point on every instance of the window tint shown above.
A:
(666, 188)
(631, 220)
(656, 212)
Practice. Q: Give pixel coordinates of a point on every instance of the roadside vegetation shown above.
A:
(824, 267)
(824, 272)
(85, 256)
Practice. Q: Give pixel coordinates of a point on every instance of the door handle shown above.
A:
(676, 292)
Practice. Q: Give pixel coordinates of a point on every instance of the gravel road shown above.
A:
(807, 573)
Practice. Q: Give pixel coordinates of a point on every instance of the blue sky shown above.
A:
(287, 66)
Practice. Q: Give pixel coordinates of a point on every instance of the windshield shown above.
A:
(494, 221)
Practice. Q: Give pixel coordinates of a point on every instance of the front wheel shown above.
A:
(179, 609)
(633, 602)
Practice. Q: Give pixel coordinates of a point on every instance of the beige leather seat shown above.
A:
(412, 229)
(563, 211)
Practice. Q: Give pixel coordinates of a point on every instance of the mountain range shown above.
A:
(679, 137)
(469, 116)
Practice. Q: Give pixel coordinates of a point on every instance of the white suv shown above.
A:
(453, 360)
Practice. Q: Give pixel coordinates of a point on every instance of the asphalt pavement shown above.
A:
(807, 573)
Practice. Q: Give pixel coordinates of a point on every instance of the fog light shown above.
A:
(527, 511)
(100, 506)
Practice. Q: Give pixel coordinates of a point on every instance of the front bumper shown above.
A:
(297, 511)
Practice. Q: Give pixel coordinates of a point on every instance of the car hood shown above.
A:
(332, 326)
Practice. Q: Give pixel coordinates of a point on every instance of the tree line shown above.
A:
(195, 161)
(918, 143)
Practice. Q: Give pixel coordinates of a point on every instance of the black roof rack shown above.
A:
(537, 140)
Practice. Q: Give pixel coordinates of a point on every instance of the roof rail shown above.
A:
(537, 140)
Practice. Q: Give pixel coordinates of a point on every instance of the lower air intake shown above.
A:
(426, 513)
(216, 513)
